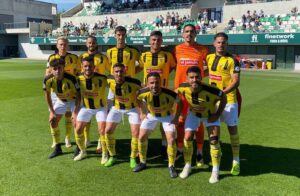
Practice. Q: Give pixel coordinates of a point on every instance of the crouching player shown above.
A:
(124, 90)
(160, 103)
(202, 100)
(92, 89)
(66, 88)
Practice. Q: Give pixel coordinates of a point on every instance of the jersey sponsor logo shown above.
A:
(63, 96)
(150, 70)
(91, 94)
(121, 99)
(215, 77)
(199, 108)
(189, 62)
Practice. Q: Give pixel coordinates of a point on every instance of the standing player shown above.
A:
(66, 89)
(71, 68)
(92, 88)
(159, 102)
(224, 73)
(124, 90)
(101, 67)
(202, 100)
(123, 53)
(162, 62)
(189, 54)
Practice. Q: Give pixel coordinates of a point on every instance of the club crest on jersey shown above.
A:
(237, 69)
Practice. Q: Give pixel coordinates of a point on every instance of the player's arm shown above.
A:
(77, 102)
(172, 63)
(205, 67)
(216, 116)
(178, 111)
(52, 115)
(235, 77)
(142, 105)
(138, 69)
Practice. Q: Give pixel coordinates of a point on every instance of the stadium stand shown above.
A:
(263, 23)
(101, 8)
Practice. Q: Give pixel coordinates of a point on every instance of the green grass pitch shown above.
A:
(269, 135)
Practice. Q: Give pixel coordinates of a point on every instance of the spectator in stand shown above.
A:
(244, 19)
(294, 11)
(161, 20)
(278, 21)
(157, 21)
(261, 14)
(198, 28)
(231, 23)
(248, 16)
(205, 15)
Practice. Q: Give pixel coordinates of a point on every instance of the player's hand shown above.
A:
(52, 118)
(143, 116)
(213, 118)
(174, 121)
(74, 117)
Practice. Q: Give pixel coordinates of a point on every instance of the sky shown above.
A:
(63, 4)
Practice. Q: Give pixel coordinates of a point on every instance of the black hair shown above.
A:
(221, 34)
(193, 69)
(57, 62)
(156, 33)
(120, 29)
(190, 25)
(119, 65)
(153, 74)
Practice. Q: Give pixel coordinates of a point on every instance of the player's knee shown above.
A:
(53, 124)
(108, 130)
(213, 140)
(188, 137)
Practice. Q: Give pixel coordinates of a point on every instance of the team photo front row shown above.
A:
(145, 107)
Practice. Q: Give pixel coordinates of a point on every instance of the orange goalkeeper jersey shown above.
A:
(187, 56)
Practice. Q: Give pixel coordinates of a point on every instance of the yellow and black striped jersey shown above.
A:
(127, 56)
(161, 62)
(158, 105)
(202, 103)
(65, 89)
(93, 90)
(220, 70)
(71, 62)
(100, 62)
(124, 94)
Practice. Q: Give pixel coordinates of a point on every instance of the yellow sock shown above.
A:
(134, 147)
(80, 141)
(55, 135)
(215, 153)
(86, 131)
(143, 147)
(235, 146)
(68, 122)
(103, 144)
(188, 151)
(111, 144)
(172, 149)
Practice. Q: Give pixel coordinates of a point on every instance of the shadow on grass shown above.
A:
(255, 159)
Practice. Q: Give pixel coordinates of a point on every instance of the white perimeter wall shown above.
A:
(32, 51)
(126, 18)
